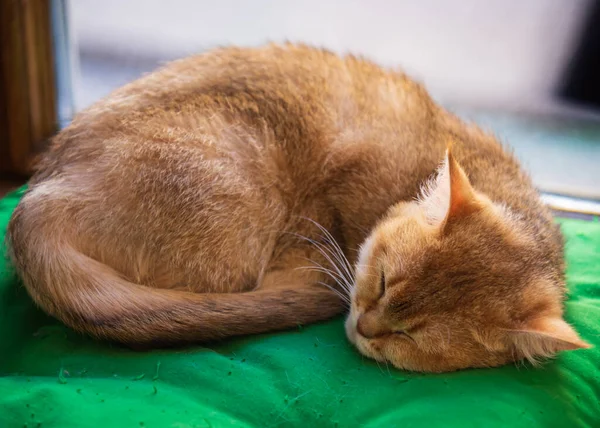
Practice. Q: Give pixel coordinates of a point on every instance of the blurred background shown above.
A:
(497, 53)
(527, 70)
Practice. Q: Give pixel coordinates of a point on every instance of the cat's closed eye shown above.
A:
(382, 284)
(399, 306)
(403, 333)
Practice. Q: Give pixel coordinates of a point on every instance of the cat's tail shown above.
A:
(93, 298)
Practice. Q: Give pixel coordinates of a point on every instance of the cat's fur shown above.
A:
(177, 210)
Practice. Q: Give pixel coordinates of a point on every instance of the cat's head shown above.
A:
(452, 281)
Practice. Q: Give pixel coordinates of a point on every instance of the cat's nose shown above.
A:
(369, 327)
(360, 329)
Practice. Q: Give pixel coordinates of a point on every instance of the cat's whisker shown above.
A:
(344, 262)
(320, 247)
(328, 253)
(340, 253)
(371, 275)
(334, 275)
(379, 366)
(387, 366)
(330, 273)
(341, 296)
(323, 250)
(339, 278)
(341, 256)
(327, 235)
(343, 282)
(358, 226)
(366, 265)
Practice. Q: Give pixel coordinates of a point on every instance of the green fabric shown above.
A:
(52, 377)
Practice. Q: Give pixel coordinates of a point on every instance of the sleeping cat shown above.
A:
(252, 190)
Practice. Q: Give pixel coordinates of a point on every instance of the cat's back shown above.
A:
(295, 90)
(286, 105)
(303, 79)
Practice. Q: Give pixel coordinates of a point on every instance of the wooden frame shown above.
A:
(28, 115)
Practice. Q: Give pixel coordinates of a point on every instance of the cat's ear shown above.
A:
(545, 336)
(449, 195)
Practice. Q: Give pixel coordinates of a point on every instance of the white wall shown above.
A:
(474, 51)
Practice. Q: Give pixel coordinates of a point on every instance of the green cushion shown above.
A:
(53, 377)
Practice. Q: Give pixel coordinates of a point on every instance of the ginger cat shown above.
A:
(229, 194)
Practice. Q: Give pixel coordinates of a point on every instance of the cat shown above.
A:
(248, 190)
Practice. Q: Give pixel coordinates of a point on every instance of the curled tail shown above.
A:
(93, 298)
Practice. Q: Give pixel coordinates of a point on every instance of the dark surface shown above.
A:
(582, 77)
